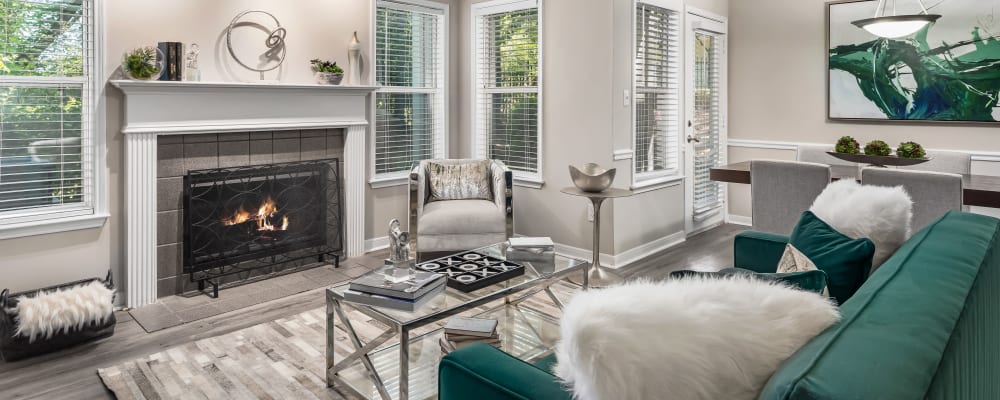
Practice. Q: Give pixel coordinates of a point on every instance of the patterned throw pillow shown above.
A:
(794, 261)
(466, 181)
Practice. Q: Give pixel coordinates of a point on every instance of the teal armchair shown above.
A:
(483, 372)
(758, 251)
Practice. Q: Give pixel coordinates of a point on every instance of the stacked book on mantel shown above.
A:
(536, 250)
(464, 331)
(374, 290)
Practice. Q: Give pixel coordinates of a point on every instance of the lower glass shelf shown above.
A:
(524, 333)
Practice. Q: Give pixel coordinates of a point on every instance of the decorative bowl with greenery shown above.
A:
(847, 145)
(878, 148)
(143, 63)
(911, 150)
(327, 72)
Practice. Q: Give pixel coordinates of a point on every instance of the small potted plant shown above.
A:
(327, 73)
(911, 150)
(143, 63)
(847, 145)
(878, 148)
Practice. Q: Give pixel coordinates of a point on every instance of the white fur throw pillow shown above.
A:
(692, 338)
(49, 313)
(882, 214)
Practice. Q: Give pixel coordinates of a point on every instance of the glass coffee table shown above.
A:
(408, 370)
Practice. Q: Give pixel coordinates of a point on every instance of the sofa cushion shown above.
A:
(465, 181)
(461, 217)
(897, 330)
(846, 261)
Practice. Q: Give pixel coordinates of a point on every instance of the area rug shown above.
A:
(282, 359)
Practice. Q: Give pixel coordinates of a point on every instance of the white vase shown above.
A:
(354, 61)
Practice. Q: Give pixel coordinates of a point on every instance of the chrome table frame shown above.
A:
(334, 307)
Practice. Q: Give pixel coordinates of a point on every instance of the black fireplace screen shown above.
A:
(233, 215)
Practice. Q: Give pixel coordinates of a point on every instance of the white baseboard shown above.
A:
(739, 220)
(627, 257)
(375, 244)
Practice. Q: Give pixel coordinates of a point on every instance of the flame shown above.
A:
(263, 216)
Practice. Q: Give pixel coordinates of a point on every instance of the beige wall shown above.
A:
(778, 91)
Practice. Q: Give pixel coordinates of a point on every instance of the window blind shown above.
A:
(705, 124)
(46, 58)
(409, 67)
(507, 87)
(657, 75)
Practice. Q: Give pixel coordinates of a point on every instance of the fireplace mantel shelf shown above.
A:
(156, 108)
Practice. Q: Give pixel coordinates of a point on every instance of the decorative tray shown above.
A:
(471, 271)
(879, 160)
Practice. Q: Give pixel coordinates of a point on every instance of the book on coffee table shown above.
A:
(542, 243)
(465, 326)
(378, 300)
(374, 282)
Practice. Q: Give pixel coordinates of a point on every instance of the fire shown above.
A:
(266, 212)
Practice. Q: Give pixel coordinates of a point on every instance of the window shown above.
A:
(410, 116)
(507, 69)
(47, 149)
(657, 95)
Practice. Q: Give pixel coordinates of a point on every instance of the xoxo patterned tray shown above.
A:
(471, 271)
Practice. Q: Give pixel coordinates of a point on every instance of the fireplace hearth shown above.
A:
(244, 218)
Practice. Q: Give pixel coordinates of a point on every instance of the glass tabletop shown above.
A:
(453, 300)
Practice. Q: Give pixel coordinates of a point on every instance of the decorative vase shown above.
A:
(328, 78)
(144, 70)
(354, 60)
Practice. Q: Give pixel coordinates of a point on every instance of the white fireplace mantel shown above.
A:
(153, 108)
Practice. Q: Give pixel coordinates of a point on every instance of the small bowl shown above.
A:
(592, 178)
(328, 78)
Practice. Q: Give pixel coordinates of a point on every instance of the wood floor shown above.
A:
(72, 374)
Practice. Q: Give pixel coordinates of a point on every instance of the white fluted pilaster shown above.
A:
(140, 214)
(354, 184)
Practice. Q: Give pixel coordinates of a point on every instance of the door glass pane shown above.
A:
(707, 194)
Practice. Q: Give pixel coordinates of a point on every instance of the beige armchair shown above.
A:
(456, 225)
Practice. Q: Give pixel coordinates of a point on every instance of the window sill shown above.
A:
(649, 185)
(36, 228)
(530, 183)
(389, 181)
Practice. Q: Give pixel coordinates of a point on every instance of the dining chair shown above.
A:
(933, 193)
(781, 191)
(952, 162)
(816, 153)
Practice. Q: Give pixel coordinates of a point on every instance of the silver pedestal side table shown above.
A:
(597, 276)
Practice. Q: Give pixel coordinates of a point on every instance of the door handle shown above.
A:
(691, 138)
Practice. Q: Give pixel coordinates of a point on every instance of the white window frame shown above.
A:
(63, 218)
(442, 133)
(663, 178)
(534, 181)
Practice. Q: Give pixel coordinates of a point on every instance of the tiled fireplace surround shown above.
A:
(176, 155)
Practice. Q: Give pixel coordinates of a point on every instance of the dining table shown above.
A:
(978, 190)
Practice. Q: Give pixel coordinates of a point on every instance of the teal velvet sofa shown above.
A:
(925, 325)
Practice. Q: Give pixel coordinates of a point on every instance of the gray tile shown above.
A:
(313, 148)
(335, 146)
(169, 192)
(170, 139)
(314, 133)
(169, 160)
(168, 260)
(234, 154)
(286, 150)
(201, 156)
(150, 311)
(286, 134)
(234, 136)
(166, 287)
(261, 135)
(186, 302)
(197, 313)
(203, 138)
(261, 152)
(233, 303)
(160, 322)
(168, 227)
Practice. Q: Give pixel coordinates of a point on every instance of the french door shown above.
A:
(705, 127)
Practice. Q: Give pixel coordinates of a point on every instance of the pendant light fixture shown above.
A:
(896, 26)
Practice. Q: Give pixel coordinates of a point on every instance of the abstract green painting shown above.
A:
(947, 72)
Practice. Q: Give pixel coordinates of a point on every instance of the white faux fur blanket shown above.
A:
(691, 338)
(49, 313)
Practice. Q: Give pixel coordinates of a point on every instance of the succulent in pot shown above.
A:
(878, 148)
(911, 150)
(143, 63)
(327, 72)
(847, 145)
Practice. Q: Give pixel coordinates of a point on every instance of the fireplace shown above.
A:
(242, 218)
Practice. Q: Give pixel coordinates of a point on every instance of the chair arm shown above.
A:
(758, 251)
(503, 189)
(416, 204)
(492, 374)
